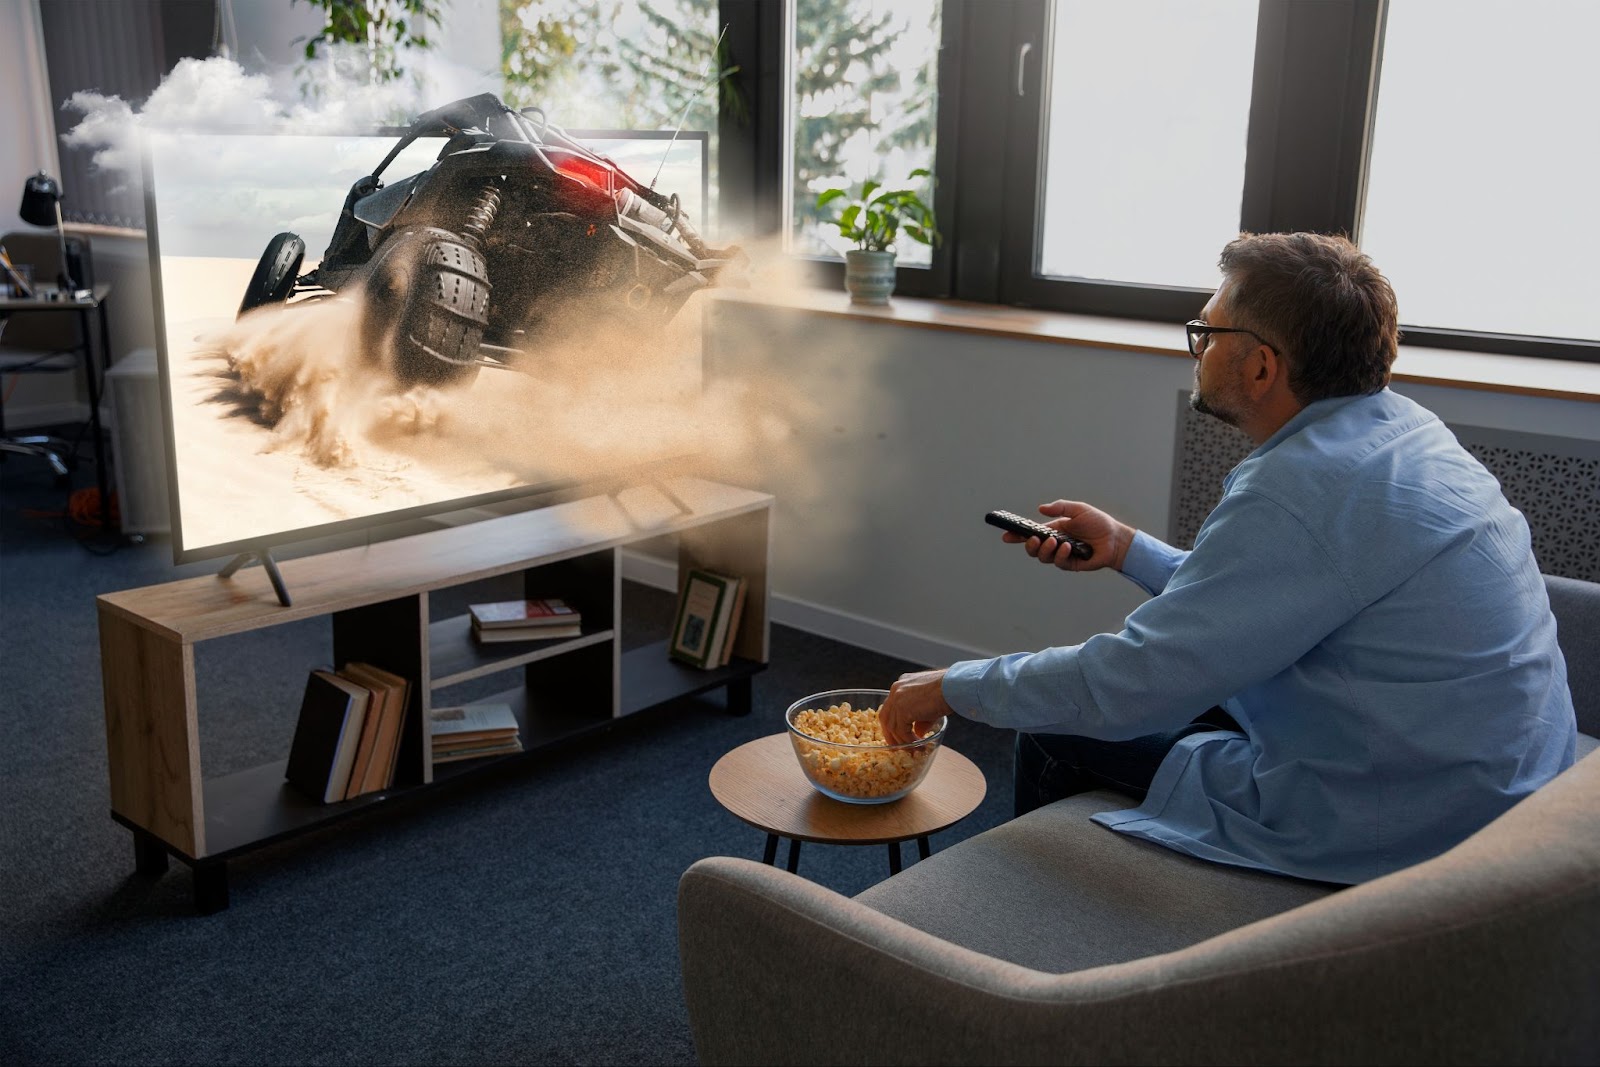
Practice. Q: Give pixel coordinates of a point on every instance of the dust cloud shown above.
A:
(293, 383)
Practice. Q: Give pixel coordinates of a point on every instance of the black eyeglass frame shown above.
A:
(1197, 331)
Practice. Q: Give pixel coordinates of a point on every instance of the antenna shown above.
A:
(715, 49)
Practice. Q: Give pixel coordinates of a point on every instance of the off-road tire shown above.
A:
(440, 314)
(444, 316)
(275, 273)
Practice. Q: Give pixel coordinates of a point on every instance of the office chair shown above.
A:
(41, 342)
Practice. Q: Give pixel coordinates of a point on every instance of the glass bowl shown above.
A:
(857, 773)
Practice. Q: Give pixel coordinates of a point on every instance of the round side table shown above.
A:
(761, 783)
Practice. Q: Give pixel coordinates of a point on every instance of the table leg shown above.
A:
(894, 858)
(923, 850)
(794, 855)
(149, 855)
(770, 857)
(739, 696)
(210, 887)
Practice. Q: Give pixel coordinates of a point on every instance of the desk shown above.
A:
(94, 307)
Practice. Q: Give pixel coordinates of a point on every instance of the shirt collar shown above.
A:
(1312, 412)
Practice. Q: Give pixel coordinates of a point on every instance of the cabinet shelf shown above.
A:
(378, 600)
(454, 656)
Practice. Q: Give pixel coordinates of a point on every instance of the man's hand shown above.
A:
(1108, 537)
(915, 705)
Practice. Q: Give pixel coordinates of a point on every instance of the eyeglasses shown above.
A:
(1200, 336)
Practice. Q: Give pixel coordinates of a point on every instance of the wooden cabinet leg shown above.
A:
(149, 854)
(739, 696)
(210, 887)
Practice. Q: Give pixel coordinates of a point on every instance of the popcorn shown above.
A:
(859, 771)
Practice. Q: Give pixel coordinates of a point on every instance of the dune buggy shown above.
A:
(513, 231)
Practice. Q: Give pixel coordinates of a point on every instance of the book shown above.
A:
(701, 627)
(526, 633)
(369, 736)
(467, 730)
(725, 647)
(392, 693)
(500, 748)
(332, 713)
(505, 614)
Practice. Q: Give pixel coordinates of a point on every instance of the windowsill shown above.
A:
(1522, 375)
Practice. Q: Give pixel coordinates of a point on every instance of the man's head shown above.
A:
(1317, 320)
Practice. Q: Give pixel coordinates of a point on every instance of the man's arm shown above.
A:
(1150, 562)
(1255, 595)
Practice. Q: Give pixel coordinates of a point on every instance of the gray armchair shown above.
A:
(1048, 940)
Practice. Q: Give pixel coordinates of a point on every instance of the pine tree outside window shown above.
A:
(617, 65)
(862, 104)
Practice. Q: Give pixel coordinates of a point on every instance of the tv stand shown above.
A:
(377, 597)
(267, 564)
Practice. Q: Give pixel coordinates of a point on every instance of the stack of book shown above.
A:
(347, 738)
(709, 609)
(525, 620)
(473, 730)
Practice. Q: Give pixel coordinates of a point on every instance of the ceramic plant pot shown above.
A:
(868, 276)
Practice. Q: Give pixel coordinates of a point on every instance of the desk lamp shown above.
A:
(41, 206)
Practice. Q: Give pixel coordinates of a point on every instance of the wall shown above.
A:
(899, 439)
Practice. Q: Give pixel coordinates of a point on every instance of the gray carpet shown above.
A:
(525, 918)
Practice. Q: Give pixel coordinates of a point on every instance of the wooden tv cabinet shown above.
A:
(378, 600)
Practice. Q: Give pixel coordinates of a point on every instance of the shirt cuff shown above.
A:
(960, 687)
(1150, 562)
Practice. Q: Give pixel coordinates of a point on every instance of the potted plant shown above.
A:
(873, 219)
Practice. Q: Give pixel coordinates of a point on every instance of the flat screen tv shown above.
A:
(356, 328)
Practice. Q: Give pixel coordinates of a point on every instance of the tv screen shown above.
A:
(511, 308)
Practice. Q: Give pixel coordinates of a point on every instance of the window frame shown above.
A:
(1313, 95)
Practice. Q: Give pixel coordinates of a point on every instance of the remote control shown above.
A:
(1022, 527)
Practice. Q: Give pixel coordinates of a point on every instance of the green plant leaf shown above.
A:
(847, 223)
(828, 196)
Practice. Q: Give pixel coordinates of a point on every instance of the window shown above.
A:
(862, 105)
(1481, 203)
(1146, 106)
(618, 65)
(1105, 152)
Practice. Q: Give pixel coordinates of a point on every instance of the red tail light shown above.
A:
(595, 175)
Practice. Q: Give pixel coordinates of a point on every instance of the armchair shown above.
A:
(1049, 940)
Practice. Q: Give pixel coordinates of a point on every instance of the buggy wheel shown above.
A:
(427, 313)
(275, 273)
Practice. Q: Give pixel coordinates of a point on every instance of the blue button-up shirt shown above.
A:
(1365, 603)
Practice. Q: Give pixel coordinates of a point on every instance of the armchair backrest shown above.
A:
(1576, 605)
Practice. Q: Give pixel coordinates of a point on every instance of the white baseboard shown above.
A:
(870, 634)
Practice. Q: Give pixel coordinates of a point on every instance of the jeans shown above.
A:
(1049, 767)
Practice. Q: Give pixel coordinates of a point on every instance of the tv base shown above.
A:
(396, 604)
(268, 565)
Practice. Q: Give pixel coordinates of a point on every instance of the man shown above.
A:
(1361, 612)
